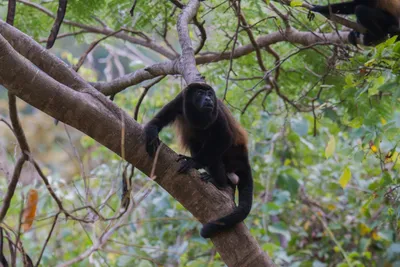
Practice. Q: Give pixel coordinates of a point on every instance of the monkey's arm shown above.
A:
(164, 117)
(346, 8)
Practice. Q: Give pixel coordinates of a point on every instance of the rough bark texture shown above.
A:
(87, 113)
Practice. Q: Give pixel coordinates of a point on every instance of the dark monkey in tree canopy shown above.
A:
(379, 17)
(216, 142)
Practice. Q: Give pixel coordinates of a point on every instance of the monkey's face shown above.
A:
(204, 100)
(200, 105)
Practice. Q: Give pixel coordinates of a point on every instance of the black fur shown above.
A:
(379, 23)
(215, 143)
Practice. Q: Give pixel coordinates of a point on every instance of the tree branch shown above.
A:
(187, 66)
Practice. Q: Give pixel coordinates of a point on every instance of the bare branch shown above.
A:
(11, 12)
(146, 89)
(47, 239)
(11, 187)
(187, 66)
(61, 10)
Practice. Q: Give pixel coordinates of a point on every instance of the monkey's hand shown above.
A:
(317, 8)
(182, 157)
(310, 15)
(187, 164)
(152, 141)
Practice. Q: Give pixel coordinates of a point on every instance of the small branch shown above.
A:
(11, 187)
(138, 76)
(246, 27)
(62, 8)
(91, 47)
(17, 128)
(150, 44)
(17, 240)
(11, 11)
(203, 34)
(47, 239)
(146, 89)
(266, 89)
(60, 36)
(187, 66)
(132, 10)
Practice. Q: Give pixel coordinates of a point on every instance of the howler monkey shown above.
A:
(216, 142)
(379, 17)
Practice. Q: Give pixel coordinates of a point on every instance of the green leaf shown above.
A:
(345, 178)
(356, 122)
(279, 228)
(386, 179)
(330, 147)
(288, 183)
(359, 156)
(295, 3)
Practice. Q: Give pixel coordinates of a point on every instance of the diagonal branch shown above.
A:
(187, 65)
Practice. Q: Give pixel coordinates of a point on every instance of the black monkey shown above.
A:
(379, 17)
(216, 142)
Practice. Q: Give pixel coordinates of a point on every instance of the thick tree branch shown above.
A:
(237, 247)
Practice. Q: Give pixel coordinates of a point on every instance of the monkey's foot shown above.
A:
(183, 157)
(188, 164)
(206, 177)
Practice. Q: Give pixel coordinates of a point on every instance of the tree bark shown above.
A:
(92, 116)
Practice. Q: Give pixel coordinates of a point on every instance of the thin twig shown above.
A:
(61, 10)
(48, 238)
(11, 187)
(11, 11)
(146, 90)
(91, 47)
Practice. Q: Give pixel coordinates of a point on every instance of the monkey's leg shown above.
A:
(376, 21)
(218, 174)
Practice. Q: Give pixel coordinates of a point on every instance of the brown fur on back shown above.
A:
(239, 134)
(390, 6)
(184, 133)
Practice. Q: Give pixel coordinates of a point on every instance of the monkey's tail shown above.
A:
(245, 188)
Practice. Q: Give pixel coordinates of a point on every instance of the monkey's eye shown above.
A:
(200, 92)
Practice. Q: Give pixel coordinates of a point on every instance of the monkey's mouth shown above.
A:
(208, 105)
